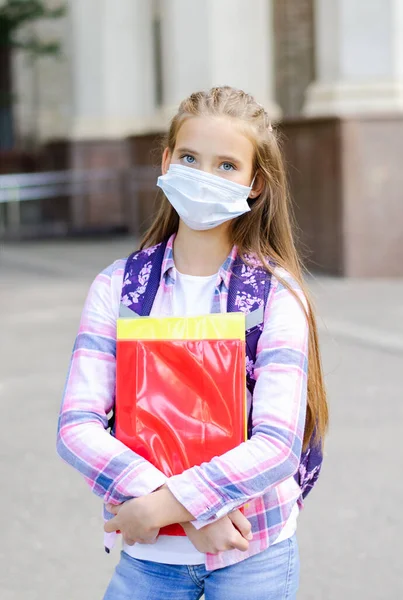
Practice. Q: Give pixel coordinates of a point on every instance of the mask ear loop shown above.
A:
(251, 185)
(251, 200)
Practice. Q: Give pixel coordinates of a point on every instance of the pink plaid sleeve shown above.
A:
(273, 453)
(112, 470)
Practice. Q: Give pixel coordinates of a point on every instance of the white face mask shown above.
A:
(203, 201)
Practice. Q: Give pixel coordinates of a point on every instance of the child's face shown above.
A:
(215, 145)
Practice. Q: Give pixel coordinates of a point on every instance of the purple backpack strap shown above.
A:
(248, 292)
(141, 279)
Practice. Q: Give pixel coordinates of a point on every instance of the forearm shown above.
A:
(209, 495)
(112, 471)
(141, 519)
(166, 509)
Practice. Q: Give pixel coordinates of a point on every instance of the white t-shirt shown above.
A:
(192, 296)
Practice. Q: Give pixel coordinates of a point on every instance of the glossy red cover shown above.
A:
(179, 403)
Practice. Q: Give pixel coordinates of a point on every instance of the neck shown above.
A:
(201, 252)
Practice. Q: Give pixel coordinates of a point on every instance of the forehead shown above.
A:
(219, 136)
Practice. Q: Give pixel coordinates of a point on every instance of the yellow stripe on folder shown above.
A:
(228, 326)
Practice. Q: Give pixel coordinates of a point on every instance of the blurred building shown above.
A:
(331, 70)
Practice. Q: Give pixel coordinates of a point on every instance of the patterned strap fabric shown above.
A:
(251, 290)
(142, 296)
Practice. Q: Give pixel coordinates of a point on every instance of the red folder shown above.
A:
(180, 389)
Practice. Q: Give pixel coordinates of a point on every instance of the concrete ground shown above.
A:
(51, 531)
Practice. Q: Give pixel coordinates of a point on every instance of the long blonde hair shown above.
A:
(266, 230)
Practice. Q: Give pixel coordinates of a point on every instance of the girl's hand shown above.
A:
(133, 521)
(140, 519)
(232, 531)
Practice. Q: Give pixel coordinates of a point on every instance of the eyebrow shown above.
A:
(229, 158)
(188, 150)
(225, 157)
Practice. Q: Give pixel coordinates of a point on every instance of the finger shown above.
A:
(129, 541)
(239, 542)
(147, 541)
(113, 508)
(151, 538)
(242, 524)
(111, 526)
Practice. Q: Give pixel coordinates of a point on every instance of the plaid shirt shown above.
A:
(258, 474)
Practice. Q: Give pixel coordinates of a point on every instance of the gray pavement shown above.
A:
(51, 529)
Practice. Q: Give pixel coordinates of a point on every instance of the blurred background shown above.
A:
(87, 88)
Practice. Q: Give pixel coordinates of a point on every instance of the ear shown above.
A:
(258, 186)
(166, 160)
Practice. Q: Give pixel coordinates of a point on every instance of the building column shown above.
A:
(294, 53)
(114, 98)
(344, 153)
(113, 68)
(217, 42)
(359, 58)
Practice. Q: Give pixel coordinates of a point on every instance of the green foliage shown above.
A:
(19, 12)
(14, 14)
(36, 48)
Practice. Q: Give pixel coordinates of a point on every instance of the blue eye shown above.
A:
(227, 166)
(188, 158)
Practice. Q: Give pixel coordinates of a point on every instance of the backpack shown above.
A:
(248, 292)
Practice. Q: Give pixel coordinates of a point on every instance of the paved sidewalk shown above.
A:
(350, 532)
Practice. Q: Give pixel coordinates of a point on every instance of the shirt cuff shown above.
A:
(135, 483)
(222, 512)
(199, 499)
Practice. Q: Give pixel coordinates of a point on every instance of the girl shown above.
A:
(225, 200)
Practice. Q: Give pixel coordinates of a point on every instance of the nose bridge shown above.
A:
(206, 163)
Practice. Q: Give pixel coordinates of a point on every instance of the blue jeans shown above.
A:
(270, 575)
